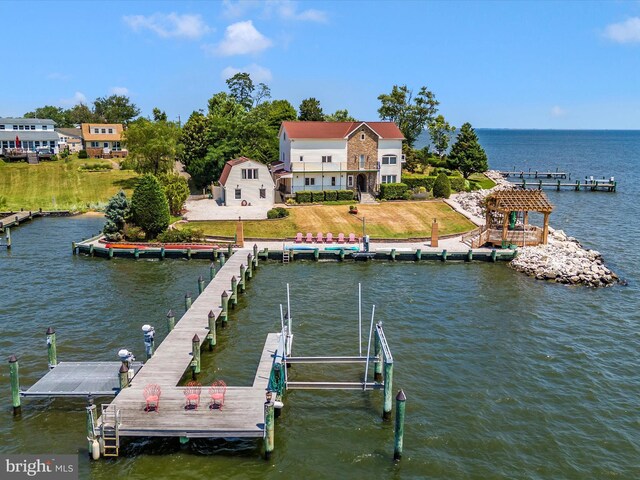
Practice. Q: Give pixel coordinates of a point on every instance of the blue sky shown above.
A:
(494, 64)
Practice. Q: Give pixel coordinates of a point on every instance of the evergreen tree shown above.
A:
(442, 186)
(176, 190)
(116, 212)
(149, 206)
(466, 154)
(310, 110)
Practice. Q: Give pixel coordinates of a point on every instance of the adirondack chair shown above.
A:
(320, 237)
(309, 238)
(217, 392)
(151, 394)
(329, 237)
(352, 238)
(298, 238)
(192, 395)
(341, 238)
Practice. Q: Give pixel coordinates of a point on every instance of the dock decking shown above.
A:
(16, 218)
(588, 186)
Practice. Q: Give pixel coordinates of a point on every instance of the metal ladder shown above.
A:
(110, 435)
(285, 254)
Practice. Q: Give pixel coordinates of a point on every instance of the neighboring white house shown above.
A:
(70, 138)
(27, 134)
(247, 182)
(355, 156)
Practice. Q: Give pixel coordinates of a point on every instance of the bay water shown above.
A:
(506, 376)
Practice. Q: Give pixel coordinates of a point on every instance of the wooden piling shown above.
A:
(195, 351)
(401, 401)
(234, 292)
(419, 254)
(110, 253)
(393, 254)
(200, 284)
(51, 348)
(123, 375)
(229, 250)
(14, 374)
(243, 279)
(249, 267)
(212, 271)
(171, 320)
(316, 254)
(74, 247)
(162, 253)
(189, 253)
(212, 330)
(92, 420)
(8, 238)
(91, 250)
(469, 255)
(187, 301)
(224, 315)
(377, 352)
(443, 255)
(255, 256)
(222, 259)
(388, 395)
(494, 255)
(269, 429)
(136, 253)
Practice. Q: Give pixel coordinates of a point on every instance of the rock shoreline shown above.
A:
(561, 260)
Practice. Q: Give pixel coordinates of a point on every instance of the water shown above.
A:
(506, 377)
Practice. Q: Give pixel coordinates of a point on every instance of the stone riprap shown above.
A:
(473, 202)
(564, 260)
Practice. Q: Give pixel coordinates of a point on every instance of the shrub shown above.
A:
(344, 194)
(83, 154)
(95, 167)
(290, 201)
(116, 213)
(459, 184)
(303, 197)
(176, 190)
(393, 191)
(442, 186)
(417, 181)
(64, 153)
(317, 196)
(133, 233)
(181, 235)
(278, 212)
(149, 206)
(127, 164)
(331, 195)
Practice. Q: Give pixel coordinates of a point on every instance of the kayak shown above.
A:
(128, 246)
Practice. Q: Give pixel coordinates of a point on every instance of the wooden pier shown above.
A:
(587, 186)
(15, 219)
(534, 174)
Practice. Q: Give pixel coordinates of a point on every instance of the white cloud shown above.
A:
(557, 111)
(240, 39)
(165, 25)
(258, 73)
(77, 98)
(624, 32)
(119, 90)
(284, 9)
(58, 76)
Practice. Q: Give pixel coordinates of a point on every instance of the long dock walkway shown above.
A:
(16, 218)
(242, 415)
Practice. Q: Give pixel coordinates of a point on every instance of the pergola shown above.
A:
(507, 203)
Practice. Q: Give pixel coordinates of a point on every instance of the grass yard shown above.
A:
(60, 185)
(386, 220)
(484, 182)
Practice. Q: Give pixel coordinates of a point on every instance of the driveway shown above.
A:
(210, 210)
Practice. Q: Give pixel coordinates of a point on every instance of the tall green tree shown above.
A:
(410, 113)
(116, 214)
(340, 116)
(115, 109)
(153, 146)
(81, 113)
(149, 206)
(440, 132)
(310, 110)
(176, 190)
(159, 115)
(50, 112)
(194, 141)
(467, 155)
(241, 88)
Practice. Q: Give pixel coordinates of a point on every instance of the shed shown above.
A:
(247, 182)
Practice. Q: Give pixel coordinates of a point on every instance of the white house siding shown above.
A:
(312, 167)
(320, 181)
(285, 148)
(249, 188)
(390, 147)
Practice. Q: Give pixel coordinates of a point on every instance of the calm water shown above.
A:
(506, 377)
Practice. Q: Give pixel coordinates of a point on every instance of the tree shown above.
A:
(440, 132)
(81, 113)
(310, 110)
(339, 116)
(176, 190)
(193, 139)
(442, 186)
(116, 212)
(409, 113)
(466, 154)
(153, 146)
(159, 115)
(263, 93)
(149, 206)
(56, 114)
(115, 109)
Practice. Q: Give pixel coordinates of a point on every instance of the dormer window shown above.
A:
(44, 127)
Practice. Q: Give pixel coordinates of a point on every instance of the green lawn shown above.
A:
(386, 220)
(59, 185)
(484, 182)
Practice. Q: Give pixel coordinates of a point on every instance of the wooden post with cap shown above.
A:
(171, 320)
(212, 330)
(401, 401)
(14, 373)
(225, 308)
(195, 352)
(51, 348)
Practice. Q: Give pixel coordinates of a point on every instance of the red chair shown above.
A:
(341, 238)
(309, 238)
(151, 394)
(329, 238)
(217, 392)
(298, 238)
(320, 237)
(352, 238)
(192, 395)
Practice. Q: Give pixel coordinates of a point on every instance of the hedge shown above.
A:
(345, 194)
(393, 191)
(277, 212)
(330, 195)
(458, 184)
(303, 197)
(317, 196)
(417, 181)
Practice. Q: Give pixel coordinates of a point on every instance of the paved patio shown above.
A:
(209, 210)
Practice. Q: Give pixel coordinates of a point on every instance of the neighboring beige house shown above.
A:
(103, 140)
(70, 138)
(247, 182)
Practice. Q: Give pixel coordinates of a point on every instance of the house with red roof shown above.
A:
(355, 156)
(247, 182)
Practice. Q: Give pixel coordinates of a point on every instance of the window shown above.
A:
(12, 144)
(105, 145)
(1, 127)
(389, 160)
(362, 159)
(362, 136)
(20, 127)
(44, 127)
(309, 181)
(96, 130)
(33, 127)
(104, 130)
(15, 127)
(38, 143)
(333, 181)
(301, 157)
(238, 193)
(116, 146)
(95, 144)
(111, 130)
(350, 181)
(249, 173)
(326, 159)
(52, 143)
(263, 193)
(389, 178)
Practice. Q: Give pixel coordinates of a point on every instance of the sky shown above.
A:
(505, 64)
